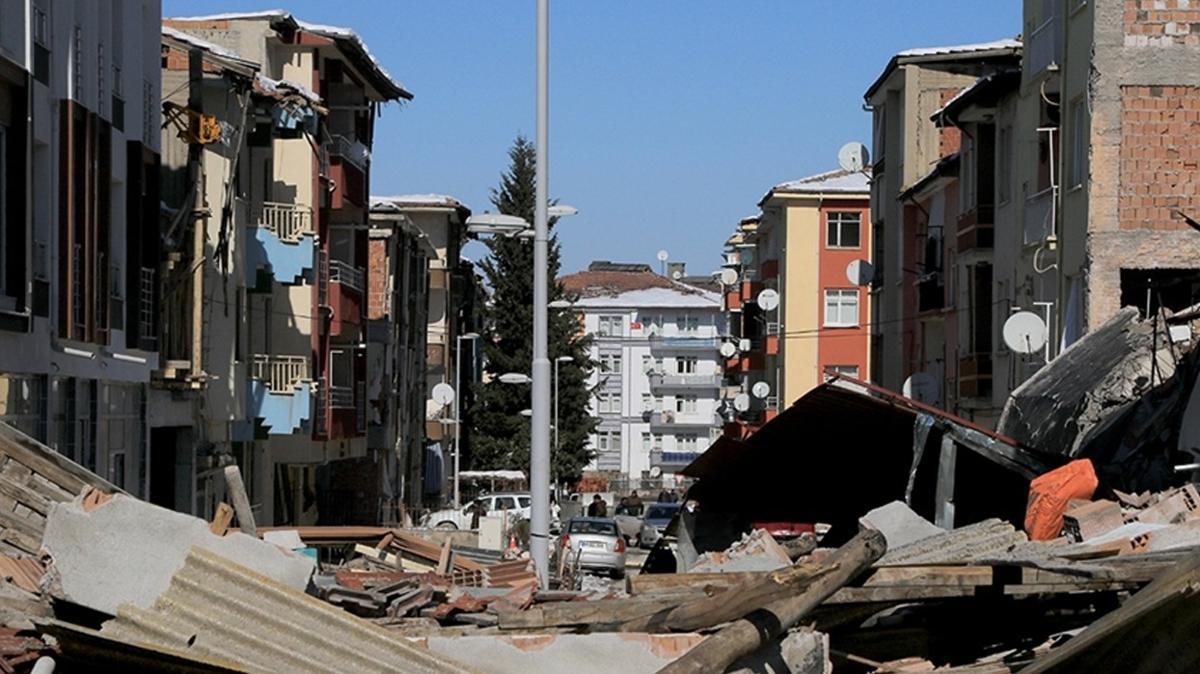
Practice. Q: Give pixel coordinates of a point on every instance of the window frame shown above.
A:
(687, 404)
(839, 295)
(1077, 113)
(839, 225)
(686, 365)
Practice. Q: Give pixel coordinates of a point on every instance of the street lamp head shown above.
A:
(564, 359)
(560, 304)
(515, 378)
(496, 223)
(527, 412)
(469, 335)
(561, 211)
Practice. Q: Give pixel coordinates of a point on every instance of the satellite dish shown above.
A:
(663, 255)
(443, 394)
(741, 402)
(860, 272)
(761, 389)
(922, 387)
(853, 156)
(677, 275)
(655, 471)
(728, 277)
(728, 349)
(1025, 332)
(768, 299)
(744, 345)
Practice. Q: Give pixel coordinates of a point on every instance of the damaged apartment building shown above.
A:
(264, 343)
(1054, 174)
(79, 205)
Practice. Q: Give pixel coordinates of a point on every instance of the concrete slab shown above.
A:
(899, 524)
(126, 550)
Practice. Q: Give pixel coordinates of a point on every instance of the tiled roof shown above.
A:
(597, 283)
(830, 182)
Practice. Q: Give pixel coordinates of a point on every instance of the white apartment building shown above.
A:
(658, 380)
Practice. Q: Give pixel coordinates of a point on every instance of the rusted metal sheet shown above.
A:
(218, 609)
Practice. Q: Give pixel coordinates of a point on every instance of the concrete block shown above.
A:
(800, 652)
(756, 551)
(491, 533)
(1186, 535)
(899, 524)
(125, 552)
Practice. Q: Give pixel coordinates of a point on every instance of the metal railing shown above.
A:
(773, 328)
(685, 341)
(1039, 216)
(341, 396)
(288, 222)
(346, 274)
(282, 374)
(146, 304)
(663, 380)
(673, 419)
(661, 458)
(351, 150)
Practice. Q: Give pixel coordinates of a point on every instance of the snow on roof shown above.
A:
(839, 181)
(281, 87)
(332, 32)
(1007, 43)
(680, 296)
(425, 200)
(214, 49)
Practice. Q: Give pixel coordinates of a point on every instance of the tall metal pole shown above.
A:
(457, 413)
(539, 455)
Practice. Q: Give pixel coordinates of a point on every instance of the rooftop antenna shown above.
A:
(662, 260)
(854, 157)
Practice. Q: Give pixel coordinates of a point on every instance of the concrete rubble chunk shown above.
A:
(1172, 507)
(1092, 519)
(899, 524)
(965, 544)
(125, 551)
(756, 551)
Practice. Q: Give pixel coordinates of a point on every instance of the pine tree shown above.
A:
(499, 433)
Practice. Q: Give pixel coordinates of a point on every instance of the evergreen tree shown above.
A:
(499, 433)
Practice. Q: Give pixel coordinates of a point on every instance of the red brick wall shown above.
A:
(1159, 156)
(949, 138)
(377, 270)
(1162, 22)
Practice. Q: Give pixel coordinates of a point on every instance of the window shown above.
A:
(841, 308)
(1004, 165)
(504, 503)
(686, 404)
(608, 441)
(611, 326)
(648, 363)
(524, 501)
(647, 442)
(685, 365)
(647, 402)
(1075, 168)
(41, 27)
(610, 402)
(652, 322)
(658, 403)
(685, 443)
(843, 229)
(844, 370)
(610, 362)
(685, 323)
(341, 375)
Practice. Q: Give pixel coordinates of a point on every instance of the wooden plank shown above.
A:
(869, 595)
(930, 575)
(46, 462)
(241, 500)
(599, 611)
(221, 519)
(377, 555)
(443, 565)
(661, 583)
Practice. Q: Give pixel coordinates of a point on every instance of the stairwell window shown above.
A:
(686, 365)
(610, 402)
(843, 229)
(841, 308)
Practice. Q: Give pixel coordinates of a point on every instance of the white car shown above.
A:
(516, 503)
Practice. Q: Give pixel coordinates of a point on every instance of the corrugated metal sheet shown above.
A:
(87, 650)
(216, 608)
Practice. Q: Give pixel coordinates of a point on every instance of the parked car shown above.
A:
(658, 516)
(516, 503)
(629, 520)
(596, 542)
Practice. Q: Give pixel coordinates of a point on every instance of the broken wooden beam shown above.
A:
(241, 501)
(764, 625)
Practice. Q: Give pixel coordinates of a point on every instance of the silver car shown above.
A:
(596, 543)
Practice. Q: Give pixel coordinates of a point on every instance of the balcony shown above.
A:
(1039, 216)
(281, 242)
(733, 300)
(347, 275)
(280, 393)
(290, 223)
(669, 420)
(975, 228)
(347, 171)
(931, 292)
(684, 343)
(975, 376)
(341, 397)
(672, 462)
(660, 380)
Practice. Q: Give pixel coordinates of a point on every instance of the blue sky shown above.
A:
(668, 119)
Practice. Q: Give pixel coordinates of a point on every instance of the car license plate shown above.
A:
(593, 544)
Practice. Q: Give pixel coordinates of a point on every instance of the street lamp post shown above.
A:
(539, 451)
(470, 336)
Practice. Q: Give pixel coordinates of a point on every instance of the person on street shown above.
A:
(634, 501)
(597, 508)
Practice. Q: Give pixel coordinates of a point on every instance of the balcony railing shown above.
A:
(146, 333)
(685, 342)
(669, 419)
(351, 150)
(341, 397)
(281, 374)
(288, 222)
(661, 459)
(663, 380)
(772, 328)
(346, 274)
(1039, 216)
